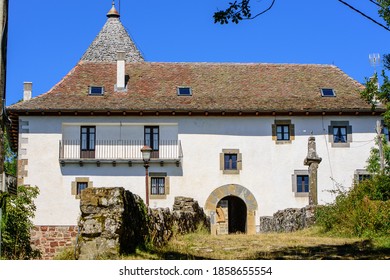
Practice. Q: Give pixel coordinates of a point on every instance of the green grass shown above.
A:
(302, 245)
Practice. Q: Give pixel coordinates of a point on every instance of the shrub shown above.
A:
(362, 211)
(17, 224)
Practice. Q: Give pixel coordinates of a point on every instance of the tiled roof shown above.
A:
(216, 87)
(112, 38)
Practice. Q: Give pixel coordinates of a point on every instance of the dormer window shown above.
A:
(328, 92)
(96, 91)
(184, 91)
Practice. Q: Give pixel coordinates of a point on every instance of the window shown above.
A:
(87, 141)
(386, 133)
(96, 91)
(184, 91)
(283, 131)
(231, 161)
(80, 183)
(340, 134)
(327, 92)
(300, 183)
(361, 174)
(81, 186)
(152, 138)
(159, 185)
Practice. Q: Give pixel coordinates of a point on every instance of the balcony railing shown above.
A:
(119, 150)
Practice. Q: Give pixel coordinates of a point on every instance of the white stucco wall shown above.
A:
(266, 166)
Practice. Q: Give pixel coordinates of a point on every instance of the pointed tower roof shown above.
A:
(112, 38)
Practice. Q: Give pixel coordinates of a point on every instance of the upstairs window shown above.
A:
(328, 92)
(339, 134)
(87, 141)
(282, 132)
(96, 91)
(184, 91)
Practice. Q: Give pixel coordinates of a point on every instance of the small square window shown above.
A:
(96, 91)
(157, 186)
(282, 132)
(339, 134)
(327, 92)
(230, 161)
(361, 175)
(184, 91)
(81, 186)
(302, 183)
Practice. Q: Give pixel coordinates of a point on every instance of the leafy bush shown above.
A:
(362, 211)
(17, 224)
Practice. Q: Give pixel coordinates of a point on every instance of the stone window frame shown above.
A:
(294, 182)
(166, 185)
(222, 161)
(360, 172)
(291, 128)
(80, 180)
(331, 136)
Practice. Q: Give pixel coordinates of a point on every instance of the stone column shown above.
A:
(312, 160)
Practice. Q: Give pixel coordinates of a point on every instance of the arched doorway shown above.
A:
(243, 207)
(235, 212)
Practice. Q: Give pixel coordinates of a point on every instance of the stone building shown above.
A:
(230, 135)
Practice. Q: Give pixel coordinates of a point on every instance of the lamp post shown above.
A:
(146, 152)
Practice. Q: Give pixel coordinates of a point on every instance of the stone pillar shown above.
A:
(312, 160)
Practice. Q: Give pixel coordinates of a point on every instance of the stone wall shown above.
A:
(50, 240)
(114, 222)
(288, 220)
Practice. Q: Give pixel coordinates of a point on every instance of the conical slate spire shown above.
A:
(112, 38)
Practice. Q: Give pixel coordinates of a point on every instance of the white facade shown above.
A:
(266, 172)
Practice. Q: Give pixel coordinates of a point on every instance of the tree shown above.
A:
(241, 10)
(17, 225)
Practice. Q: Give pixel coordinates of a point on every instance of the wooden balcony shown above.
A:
(118, 152)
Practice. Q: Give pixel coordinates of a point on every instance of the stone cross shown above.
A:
(312, 160)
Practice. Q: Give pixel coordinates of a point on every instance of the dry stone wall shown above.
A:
(114, 221)
(288, 220)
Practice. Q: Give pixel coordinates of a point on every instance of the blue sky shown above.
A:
(47, 38)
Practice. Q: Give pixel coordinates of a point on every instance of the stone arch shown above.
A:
(232, 190)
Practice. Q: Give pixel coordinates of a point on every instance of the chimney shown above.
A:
(120, 71)
(27, 91)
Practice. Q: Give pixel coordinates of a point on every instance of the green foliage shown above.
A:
(234, 13)
(384, 10)
(373, 162)
(363, 211)
(10, 157)
(17, 224)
